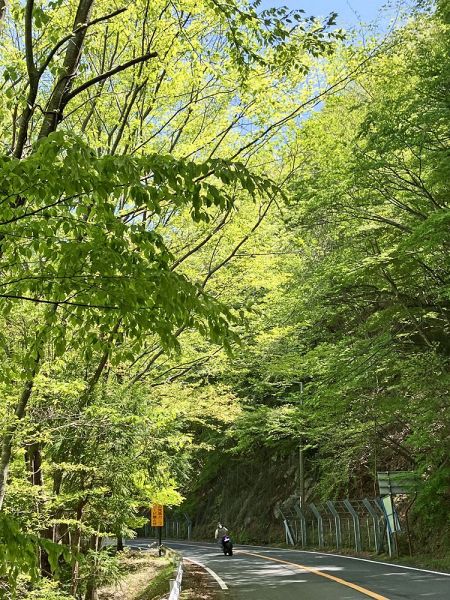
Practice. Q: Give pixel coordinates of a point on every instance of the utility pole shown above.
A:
(301, 473)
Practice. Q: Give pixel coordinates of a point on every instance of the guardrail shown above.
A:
(175, 584)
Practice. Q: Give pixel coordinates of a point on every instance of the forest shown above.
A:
(224, 232)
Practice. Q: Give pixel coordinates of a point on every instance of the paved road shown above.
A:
(261, 573)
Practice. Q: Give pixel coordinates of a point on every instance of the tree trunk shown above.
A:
(91, 587)
(53, 112)
(2, 9)
(75, 547)
(7, 443)
(34, 460)
(19, 412)
(33, 81)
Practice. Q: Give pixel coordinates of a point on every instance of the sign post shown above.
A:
(392, 483)
(157, 520)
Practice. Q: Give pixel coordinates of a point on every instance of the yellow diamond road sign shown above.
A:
(157, 519)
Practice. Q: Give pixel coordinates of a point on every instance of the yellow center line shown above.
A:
(321, 573)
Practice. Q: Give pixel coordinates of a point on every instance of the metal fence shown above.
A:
(359, 525)
(356, 525)
(178, 527)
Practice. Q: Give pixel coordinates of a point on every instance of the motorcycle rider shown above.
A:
(221, 531)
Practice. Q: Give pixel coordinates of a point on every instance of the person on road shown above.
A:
(221, 531)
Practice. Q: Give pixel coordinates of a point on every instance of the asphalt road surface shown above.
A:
(262, 573)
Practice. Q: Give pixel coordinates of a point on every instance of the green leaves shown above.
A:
(361, 317)
(41, 17)
(274, 38)
(84, 244)
(19, 552)
(98, 224)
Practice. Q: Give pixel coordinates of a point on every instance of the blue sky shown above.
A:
(351, 12)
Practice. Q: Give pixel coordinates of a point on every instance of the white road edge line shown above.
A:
(376, 562)
(220, 581)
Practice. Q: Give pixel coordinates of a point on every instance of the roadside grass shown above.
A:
(424, 561)
(145, 576)
(159, 586)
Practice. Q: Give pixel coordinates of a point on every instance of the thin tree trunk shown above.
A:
(50, 123)
(19, 412)
(91, 587)
(34, 463)
(7, 443)
(75, 546)
(101, 365)
(33, 81)
(2, 9)
(34, 460)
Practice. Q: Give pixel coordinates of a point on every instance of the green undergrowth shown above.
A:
(159, 586)
(424, 561)
(45, 590)
(144, 576)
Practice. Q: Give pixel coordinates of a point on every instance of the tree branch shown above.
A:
(31, 67)
(102, 364)
(59, 302)
(102, 76)
(239, 244)
(2, 10)
(74, 32)
(200, 244)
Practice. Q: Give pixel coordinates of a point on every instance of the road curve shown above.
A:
(263, 573)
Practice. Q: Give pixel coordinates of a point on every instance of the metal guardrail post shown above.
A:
(376, 523)
(337, 523)
(392, 548)
(189, 526)
(318, 516)
(356, 526)
(302, 521)
(289, 538)
(287, 531)
(381, 523)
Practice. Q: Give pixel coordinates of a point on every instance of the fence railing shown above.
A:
(177, 527)
(366, 525)
(360, 525)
